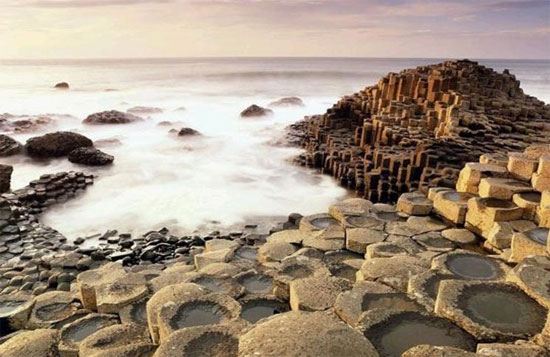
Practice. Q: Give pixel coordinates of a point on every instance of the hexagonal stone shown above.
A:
(52, 307)
(394, 271)
(171, 293)
(318, 222)
(320, 335)
(212, 340)
(367, 296)
(393, 332)
(211, 309)
(414, 204)
(294, 268)
(502, 188)
(521, 167)
(88, 282)
(220, 244)
(385, 250)
(36, 343)
(118, 339)
(459, 235)
(325, 244)
(14, 311)
(423, 287)
(275, 251)
(484, 212)
(472, 173)
(216, 256)
(316, 293)
(111, 297)
(434, 242)
(358, 239)
(451, 205)
(222, 284)
(490, 311)
(292, 236)
(352, 207)
(532, 242)
(532, 275)
(469, 265)
(74, 333)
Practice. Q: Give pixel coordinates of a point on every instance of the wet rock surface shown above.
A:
(111, 117)
(56, 144)
(90, 157)
(255, 111)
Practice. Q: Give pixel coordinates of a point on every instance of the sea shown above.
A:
(235, 173)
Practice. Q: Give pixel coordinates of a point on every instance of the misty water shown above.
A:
(231, 174)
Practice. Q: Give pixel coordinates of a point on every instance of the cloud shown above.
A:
(86, 3)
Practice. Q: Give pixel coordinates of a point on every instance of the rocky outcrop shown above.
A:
(111, 117)
(9, 146)
(90, 156)
(62, 85)
(417, 128)
(56, 144)
(188, 132)
(255, 111)
(5, 177)
(287, 102)
(25, 123)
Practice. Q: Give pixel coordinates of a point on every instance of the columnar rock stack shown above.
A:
(416, 129)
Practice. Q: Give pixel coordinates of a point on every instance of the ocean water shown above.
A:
(231, 174)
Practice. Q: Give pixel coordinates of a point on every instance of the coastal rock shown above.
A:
(9, 146)
(320, 335)
(188, 132)
(36, 343)
(62, 85)
(111, 117)
(5, 177)
(90, 156)
(56, 144)
(287, 102)
(255, 111)
(26, 123)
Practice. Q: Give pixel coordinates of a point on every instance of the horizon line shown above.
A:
(265, 57)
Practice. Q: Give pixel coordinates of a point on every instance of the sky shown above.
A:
(340, 28)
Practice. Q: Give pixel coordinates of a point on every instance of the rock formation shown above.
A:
(90, 156)
(416, 129)
(255, 111)
(62, 85)
(56, 144)
(111, 117)
(188, 132)
(9, 146)
(287, 102)
(144, 110)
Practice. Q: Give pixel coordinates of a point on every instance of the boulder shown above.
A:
(62, 85)
(5, 177)
(9, 146)
(188, 132)
(287, 102)
(111, 117)
(255, 111)
(90, 156)
(56, 144)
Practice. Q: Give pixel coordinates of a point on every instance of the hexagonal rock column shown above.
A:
(437, 351)
(484, 212)
(529, 201)
(115, 340)
(532, 242)
(414, 204)
(36, 343)
(543, 212)
(358, 239)
(470, 266)
(316, 293)
(255, 308)
(394, 271)
(319, 335)
(451, 205)
(14, 311)
(171, 293)
(52, 307)
(72, 334)
(294, 268)
(111, 297)
(90, 280)
(367, 296)
(532, 275)
(393, 332)
(513, 350)
(472, 173)
(502, 188)
(490, 311)
(352, 207)
(521, 167)
(211, 309)
(423, 287)
(213, 340)
(275, 251)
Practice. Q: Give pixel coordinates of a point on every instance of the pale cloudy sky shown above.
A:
(372, 28)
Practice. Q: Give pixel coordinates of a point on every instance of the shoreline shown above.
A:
(454, 225)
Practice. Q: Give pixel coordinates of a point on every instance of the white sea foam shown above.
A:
(228, 174)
